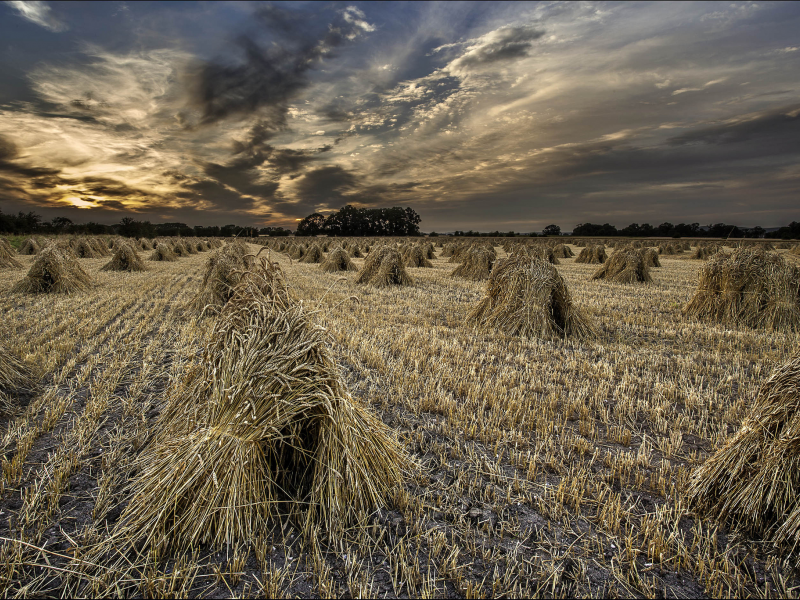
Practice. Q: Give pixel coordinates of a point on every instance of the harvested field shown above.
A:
(551, 467)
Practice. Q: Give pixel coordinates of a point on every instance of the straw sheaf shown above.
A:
(163, 253)
(125, 258)
(180, 248)
(313, 256)
(30, 247)
(84, 249)
(562, 251)
(54, 271)
(477, 265)
(749, 287)
(650, 257)
(705, 252)
(753, 481)
(7, 255)
(337, 261)
(414, 257)
(624, 266)
(222, 272)
(100, 247)
(384, 266)
(527, 297)
(265, 427)
(592, 255)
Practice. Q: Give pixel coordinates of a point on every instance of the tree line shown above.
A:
(716, 230)
(30, 223)
(353, 221)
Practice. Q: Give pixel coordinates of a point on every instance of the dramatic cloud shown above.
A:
(483, 116)
(39, 13)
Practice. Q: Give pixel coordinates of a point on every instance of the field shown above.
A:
(540, 468)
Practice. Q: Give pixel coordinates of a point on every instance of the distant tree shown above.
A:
(790, 232)
(590, 229)
(755, 232)
(174, 229)
(274, 231)
(312, 225)
(211, 231)
(130, 227)
(61, 224)
(551, 230)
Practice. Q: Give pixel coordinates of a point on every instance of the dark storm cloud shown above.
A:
(9, 151)
(777, 124)
(100, 186)
(326, 184)
(214, 192)
(242, 178)
(268, 75)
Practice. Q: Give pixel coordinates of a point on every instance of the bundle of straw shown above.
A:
(750, 287)
(83, 249)
(263, 427)
(30, 247)
(179, 248)
(54, 271)
(704, 252)
(529, 298)
(313, 256)
(562, 251)
(477, 265)
(125, 258)
(222, 272)
(753, 481)
(163, 253)
(624, 266)
(592, 255)
(414, 257)
(7, 255)
(298, 252)
(338, 260)
(650, 257)
(383, 267)
(100, 247)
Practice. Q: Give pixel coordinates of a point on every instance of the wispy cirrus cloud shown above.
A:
(39, 13)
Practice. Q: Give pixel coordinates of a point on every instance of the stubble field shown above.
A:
(540, 468)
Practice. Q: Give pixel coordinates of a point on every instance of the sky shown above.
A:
(485, 116)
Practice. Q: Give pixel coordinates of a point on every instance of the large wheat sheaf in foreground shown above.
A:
(262, 428)
(750, 287)
(753, 481)
(529, 298)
